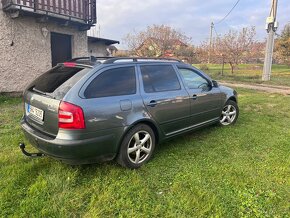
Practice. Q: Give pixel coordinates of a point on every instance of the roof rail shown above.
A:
(112, 60)
(91, 58)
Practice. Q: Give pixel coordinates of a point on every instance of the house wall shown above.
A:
(97, 49)
(30, 53)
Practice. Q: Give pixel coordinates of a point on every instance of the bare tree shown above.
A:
(202, 52)
(236, 46)
(187, 54)
(156, 41)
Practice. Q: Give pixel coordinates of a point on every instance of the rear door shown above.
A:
(110, 98)
(205, 100)
(43, 96)
(164, 97)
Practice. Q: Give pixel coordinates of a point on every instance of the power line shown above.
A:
(228, 13)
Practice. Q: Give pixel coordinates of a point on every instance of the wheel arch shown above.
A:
(232, 98)
(149, 123)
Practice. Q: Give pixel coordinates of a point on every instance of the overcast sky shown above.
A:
(116, 18)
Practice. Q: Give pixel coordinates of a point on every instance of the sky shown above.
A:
(117, 18)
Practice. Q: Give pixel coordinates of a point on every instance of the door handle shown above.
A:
(194, 97)
(152, 103)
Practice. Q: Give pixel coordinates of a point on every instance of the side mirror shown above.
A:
(215, 84)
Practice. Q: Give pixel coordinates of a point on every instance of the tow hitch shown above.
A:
(32, 155)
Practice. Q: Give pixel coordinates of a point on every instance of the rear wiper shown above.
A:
(36, 90)
(43, 93)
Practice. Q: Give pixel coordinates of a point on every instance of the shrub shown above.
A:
(204, 67)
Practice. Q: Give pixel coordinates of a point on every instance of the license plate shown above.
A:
(35, 112)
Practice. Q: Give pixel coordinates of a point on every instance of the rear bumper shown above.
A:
(104, 146)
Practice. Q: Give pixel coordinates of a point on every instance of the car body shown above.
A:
(90, 110)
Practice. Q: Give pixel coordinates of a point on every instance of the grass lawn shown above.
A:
(238, 171)
(249, 73)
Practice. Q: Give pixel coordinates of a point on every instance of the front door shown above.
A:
(206, 100)
(165, 99)
(61, 49)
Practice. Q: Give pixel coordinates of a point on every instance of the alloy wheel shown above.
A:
(139, 147)
(228, 115)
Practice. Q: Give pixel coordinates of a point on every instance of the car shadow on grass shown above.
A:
(178, 145)
(161, 149)
(197, 135)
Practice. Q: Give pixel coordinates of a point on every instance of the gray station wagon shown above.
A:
(95, 109)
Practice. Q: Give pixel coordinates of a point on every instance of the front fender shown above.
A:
(229, 94)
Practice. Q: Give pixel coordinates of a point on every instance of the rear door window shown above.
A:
(58, 81)
(159, 78)
(113, 82)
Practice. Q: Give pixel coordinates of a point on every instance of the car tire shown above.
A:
(137, 147)
(230, 113)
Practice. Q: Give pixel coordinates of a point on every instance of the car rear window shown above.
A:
(113, 82)
(58, 81)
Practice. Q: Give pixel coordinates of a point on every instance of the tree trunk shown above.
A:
(232, 67)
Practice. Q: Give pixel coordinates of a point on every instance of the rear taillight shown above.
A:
(70, 116)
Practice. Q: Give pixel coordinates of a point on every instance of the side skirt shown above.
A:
(190, 128)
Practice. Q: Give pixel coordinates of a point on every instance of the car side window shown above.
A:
(113, 82)
(192, 79)
(159, 78)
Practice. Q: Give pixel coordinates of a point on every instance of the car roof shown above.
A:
(92, 60)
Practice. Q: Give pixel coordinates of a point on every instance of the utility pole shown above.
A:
(210, 43)
(271, 27)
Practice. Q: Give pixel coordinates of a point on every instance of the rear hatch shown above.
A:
(43, 96)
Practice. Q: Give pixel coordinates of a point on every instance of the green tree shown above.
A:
(282, 48)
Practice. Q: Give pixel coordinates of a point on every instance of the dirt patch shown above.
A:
(284, 90)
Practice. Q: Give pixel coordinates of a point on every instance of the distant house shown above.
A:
(123, 53)
(160, 48)
(36, 35)
(101, 47)
(113, 50)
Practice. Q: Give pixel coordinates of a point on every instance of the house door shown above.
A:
(61, 50)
